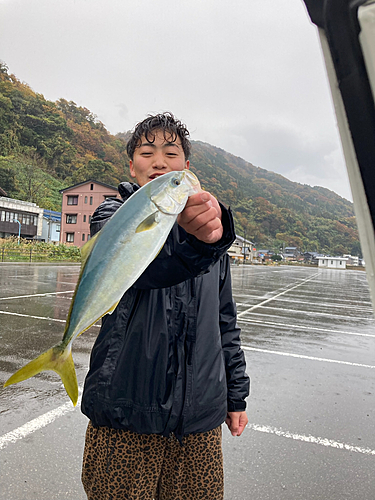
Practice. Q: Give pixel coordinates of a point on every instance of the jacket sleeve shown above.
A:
(238, 382)
(182, 257)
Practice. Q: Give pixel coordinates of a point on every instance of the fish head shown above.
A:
(170, 192)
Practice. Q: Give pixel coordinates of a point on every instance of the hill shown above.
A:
(46, 146)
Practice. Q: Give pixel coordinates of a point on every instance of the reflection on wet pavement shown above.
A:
(309, 341)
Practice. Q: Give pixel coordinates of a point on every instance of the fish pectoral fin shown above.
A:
(59, 360)
(87, 248)
(148, 223)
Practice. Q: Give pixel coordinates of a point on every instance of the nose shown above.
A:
(159, 161)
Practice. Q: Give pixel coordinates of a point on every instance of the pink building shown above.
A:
(78, 204)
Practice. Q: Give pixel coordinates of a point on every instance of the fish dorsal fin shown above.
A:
(87, 248)
(148, 223)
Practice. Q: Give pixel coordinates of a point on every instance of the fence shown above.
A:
(35, 254)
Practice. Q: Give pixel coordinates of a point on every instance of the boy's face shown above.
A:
(157, 158)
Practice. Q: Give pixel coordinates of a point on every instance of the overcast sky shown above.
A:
(244, 75)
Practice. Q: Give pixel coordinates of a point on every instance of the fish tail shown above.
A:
(59, 359)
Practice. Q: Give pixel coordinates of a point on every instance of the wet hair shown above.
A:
(167, 124)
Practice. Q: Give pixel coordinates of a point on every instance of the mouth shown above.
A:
(153, 176)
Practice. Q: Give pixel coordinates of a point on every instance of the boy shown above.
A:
(167, 368)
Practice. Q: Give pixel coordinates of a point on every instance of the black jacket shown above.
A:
(168, 359)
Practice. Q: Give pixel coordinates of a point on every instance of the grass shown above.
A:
(35, 251)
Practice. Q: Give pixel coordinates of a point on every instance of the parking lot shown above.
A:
(309, 341)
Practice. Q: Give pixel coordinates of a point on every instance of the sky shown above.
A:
(244, 75)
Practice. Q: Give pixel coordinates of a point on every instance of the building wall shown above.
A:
(332, 263)
(51, 226)
(29, 215)
(78, 205)
(51, 231)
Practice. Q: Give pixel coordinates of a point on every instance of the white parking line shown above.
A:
(49, 417)
(326, 360)
(301, 327)
(369, 317)
(278, 295)
(35, 295)
(36, 424)
(35, 317)
(310, 439)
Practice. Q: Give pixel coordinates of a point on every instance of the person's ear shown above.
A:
(131, 168)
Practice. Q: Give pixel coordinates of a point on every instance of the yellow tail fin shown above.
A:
(58, 359)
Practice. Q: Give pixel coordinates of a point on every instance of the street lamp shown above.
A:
(19, 229)
(244, 247)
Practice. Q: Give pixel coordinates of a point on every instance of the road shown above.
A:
(309, 341)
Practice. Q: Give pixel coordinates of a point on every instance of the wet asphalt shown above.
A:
(309, 341)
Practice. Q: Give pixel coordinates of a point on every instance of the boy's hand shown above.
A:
(236, 422)
(201, 217)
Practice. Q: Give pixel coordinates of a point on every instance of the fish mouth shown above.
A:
(171, 197)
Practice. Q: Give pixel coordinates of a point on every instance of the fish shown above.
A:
(112, 261)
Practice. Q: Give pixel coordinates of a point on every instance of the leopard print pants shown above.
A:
(123, 465)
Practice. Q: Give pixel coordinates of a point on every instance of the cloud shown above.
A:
(244, 76)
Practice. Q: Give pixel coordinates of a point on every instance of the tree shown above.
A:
(276, 258)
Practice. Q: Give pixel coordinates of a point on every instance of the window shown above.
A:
(71, 218)
(340, 263)
(3, 216)
(83, 236)
(72, 200)
(85, 199)
(70, 237)
(57, 228)
(90, 200)
(11, 217)
(331, 262)
(84, 217)
(7, 215)
(91, 187)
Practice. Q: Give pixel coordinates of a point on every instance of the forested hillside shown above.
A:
(46, 146)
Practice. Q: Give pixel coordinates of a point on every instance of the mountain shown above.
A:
(46, 146)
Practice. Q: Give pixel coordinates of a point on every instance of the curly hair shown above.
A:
(168, 124)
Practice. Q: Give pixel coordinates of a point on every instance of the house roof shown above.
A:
(52, 215)
(240, 238)
(327, 257)
(89, 181)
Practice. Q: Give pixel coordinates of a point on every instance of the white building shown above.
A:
(332, 262)
(20, 217)
(242, 248)
(353, 260)
(51, 226)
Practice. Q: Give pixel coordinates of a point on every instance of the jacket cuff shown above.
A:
(236, 406)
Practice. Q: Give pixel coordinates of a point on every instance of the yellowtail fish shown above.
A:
(111, 263)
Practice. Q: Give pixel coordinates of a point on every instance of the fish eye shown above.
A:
(176, 181)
